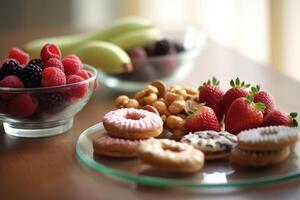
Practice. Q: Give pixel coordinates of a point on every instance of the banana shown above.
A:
(69, 43)
(138, 38)
(124, 25)
(105, 56)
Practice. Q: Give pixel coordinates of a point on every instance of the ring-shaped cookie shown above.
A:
(130, 123)
(171, 155)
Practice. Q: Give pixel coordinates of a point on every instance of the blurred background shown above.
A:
(265, 31)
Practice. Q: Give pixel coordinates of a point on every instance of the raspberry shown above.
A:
(10, 67)
(37, 62)
(32, 76)
(22, 105)
(19, 55)
(51, 100)
(54, 62)
(79, 90)
(150, 50)
(72, 65)
(53, 76)
(10, 81)
(84, 74)
(162, 47)
(50, 51)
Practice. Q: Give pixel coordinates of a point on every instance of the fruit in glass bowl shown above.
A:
(41, 96)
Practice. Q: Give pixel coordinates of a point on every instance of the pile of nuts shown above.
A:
(171, 103)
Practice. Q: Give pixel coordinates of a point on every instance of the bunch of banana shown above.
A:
(104, 49)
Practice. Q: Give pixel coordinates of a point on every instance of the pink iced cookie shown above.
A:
(131, 123)
(115, 147)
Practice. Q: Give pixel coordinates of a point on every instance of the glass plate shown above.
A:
(214, 174)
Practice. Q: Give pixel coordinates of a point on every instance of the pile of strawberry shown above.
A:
(239, 108)
(18, 71)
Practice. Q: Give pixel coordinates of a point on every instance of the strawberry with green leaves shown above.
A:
(263, 97)
(238, 89)
(244, 114)
(211, 94)
(279, 117)
(202, 118)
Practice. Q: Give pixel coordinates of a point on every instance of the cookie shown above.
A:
(267, 138)
(171, 155)
(115, 147)
(215, 145)
(131, 123)
(258, 158)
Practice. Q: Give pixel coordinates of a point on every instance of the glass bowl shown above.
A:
(169, 68)
(214, 175)
(47, 111)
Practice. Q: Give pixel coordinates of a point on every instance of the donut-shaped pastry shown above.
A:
(171, 155)
(215, 145)
(115, 147)
(267, 138)
(131, 123)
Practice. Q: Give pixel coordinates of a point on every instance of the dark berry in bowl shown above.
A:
(31, 76)
(10, 67)
(37, 62)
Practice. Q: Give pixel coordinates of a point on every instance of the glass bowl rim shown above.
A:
(165, 182)
(43, 89)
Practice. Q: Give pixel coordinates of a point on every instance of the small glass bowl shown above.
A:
(47, 111)
(169, 68)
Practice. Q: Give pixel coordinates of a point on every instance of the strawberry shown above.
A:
(202, 118)
(280, 117)
(244, 114)
(263, 97)
(238, 89)
(211, 94)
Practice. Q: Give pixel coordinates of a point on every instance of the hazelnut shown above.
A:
(160, 106)
(150, 99)
(132, 103)
(120, 100)
(175, 122)
(170, 97)
(191, 91)
(140, 94)
(151, 89)
(176, 106)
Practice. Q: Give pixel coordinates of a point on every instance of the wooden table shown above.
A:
(49, 169)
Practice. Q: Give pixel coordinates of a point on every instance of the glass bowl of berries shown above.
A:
(170, 59)
(40, 97)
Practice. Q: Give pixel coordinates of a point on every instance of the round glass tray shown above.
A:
(215, 174)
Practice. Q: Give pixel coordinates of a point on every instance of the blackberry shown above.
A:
(178, 47)
(10, 67)
(51, 100)
(37, 62)
(32, 76)
(162, 47)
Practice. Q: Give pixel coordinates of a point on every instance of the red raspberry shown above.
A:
(22, 105)
(53, 76)
(54, 62)
(84, 74)
(10, 81)
(50, 51)
(77, 91)
(72, 65)
(19, 55)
